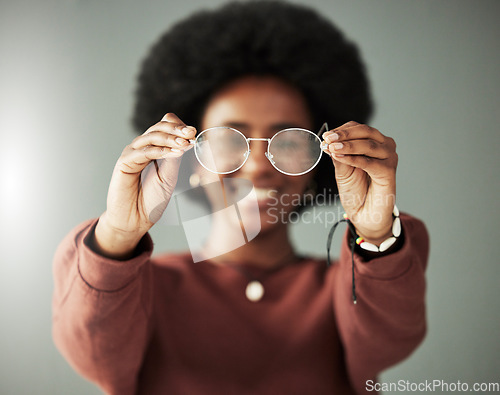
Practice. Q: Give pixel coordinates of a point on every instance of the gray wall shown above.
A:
(66, 81)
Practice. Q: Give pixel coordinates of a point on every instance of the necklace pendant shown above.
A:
(254, 291)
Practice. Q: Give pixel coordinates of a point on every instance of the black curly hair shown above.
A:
(203, 53)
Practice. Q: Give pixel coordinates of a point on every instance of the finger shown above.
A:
(345, 125)
(159, 139)
(370, 148)
(134, 161)
(176, 129)
(374, 167)
(187, 131)
(351, 131)
(171, 117)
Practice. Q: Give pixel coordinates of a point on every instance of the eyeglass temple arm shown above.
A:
(323, 129)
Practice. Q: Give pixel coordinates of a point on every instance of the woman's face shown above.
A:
(259, 107)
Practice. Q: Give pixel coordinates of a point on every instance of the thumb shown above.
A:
(343, 171)
(158, 181)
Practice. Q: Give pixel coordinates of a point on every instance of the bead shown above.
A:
(254, 291)
(369, 246)
(396, 227)
(387, 244)
(345, 216)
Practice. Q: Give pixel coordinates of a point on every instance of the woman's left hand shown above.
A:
(365, 169)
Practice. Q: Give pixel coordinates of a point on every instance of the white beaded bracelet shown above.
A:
(386, 244)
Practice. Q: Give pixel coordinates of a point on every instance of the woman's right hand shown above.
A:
(142, 183)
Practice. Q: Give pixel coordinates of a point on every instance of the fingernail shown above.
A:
(186, 130)
(332, 137)
(175, 150)
(338, 145)
(324, 145)
(180, 141)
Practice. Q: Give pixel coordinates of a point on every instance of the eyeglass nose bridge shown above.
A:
(268, 155)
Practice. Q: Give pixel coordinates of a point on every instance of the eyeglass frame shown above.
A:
(268, 155)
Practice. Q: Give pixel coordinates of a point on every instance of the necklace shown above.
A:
(254, 291)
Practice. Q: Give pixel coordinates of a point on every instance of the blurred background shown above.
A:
(67, 75)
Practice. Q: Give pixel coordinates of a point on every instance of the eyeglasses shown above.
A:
(292, 151)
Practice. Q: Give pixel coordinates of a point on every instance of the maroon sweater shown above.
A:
(170, 326)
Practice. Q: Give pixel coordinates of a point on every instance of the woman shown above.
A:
(249, 317)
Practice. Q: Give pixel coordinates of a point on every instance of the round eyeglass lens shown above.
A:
(221, 149)
(295, 151)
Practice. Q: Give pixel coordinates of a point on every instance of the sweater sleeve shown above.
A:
(388, 322)
(101, 310)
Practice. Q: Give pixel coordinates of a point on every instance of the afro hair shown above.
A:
(203, 53)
